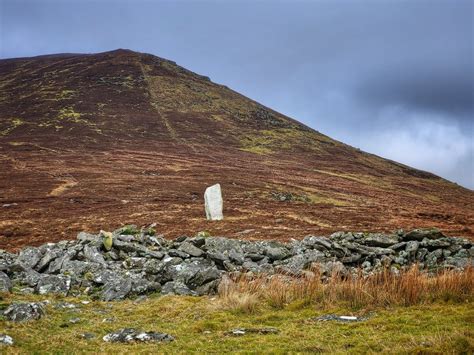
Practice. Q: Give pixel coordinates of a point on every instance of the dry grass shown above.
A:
(410, 287)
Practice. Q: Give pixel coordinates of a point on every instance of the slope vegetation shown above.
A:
(94, 140)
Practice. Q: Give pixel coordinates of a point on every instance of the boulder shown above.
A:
(23, 312)
(213, 203)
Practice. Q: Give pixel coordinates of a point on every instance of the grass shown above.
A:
(199, 324)
(381, 289)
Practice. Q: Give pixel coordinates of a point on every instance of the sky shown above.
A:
(394, 78)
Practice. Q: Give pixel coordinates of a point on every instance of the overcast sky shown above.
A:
(394, 78)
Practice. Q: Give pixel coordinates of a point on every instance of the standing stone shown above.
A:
(213, 203)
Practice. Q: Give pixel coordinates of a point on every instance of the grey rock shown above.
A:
(177, 288)
(380, 240)
(255, 256)
(92, 253)
(352, 258)
(277, 253)
(142, 286)
(261, 331)
(197, 272)
(175, 253)
(432, 244)
(48, 256)
(5, 282)
(190, 249)
(23, 312)
(57, 284)
(88, 238)
(129, 335)
(236, 257)
(116, 289)
(56, 265)
(421, 254)
(313, 241)
(87, 336)
(412, 247)
(29, 257)
(398, 246)
(420, 234)
(6, 340)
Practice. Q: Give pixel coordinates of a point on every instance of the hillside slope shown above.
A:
(92, 141)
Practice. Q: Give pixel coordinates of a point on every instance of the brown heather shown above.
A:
(408, 288)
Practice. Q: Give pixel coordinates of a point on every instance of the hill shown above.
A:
(89, 141)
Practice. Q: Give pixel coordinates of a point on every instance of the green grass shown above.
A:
(199, 325)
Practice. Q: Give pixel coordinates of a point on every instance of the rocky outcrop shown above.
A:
(130, 262)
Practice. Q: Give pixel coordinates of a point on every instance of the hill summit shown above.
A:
(94, 140)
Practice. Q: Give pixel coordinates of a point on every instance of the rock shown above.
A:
(87, 336)
(57, 284)
(48, 256)
(398, 246)
(350, 259)
(28, 277)
(190, 249)
(314, 242)
(92, 253)
(177, 288)
(243, 331)
(277, 253)
(74, 320)
(432, 244)
(5, 282)
(129, 335)
(334, 317)
(213, 203)
(116, 289)
(29, 257)
(380, 240)
(6, 340)
(420, 234)
(56, 265)
(197, 272)
(412, 247)
(87, 238)
(23, 312)
(142, 286)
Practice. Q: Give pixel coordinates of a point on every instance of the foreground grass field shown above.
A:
(199, 324)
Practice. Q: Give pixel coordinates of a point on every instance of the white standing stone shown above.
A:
(213, 203)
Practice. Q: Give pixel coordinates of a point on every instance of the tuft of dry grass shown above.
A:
(410, 287)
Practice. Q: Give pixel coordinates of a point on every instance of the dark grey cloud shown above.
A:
(436, 89)
(391, 77)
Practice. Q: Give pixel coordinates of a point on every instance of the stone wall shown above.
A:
(138, 262)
